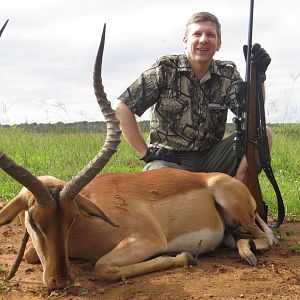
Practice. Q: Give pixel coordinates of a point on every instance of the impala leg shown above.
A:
(262, 239)
(30, 254)
(238, 208)
(127, 259)
(183, 259)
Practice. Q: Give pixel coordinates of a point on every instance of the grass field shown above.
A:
(286, 167)
(63, 155)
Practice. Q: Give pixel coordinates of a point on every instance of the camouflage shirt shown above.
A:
(187, 114)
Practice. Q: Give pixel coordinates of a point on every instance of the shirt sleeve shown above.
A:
(145, 91)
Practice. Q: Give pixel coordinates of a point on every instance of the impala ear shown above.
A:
(89, 209)
(13, 208)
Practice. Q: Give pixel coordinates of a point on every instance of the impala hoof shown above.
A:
(251, 260)
(248, 256)
(187, 259)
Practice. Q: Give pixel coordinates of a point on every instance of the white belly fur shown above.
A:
(197, 242)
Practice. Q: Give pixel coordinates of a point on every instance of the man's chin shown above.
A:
(202, 59)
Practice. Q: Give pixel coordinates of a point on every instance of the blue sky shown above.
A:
(48, 48)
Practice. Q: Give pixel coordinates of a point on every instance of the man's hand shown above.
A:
(161, 154)
(260, 58)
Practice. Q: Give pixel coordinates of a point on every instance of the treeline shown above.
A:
(100, 126)
(61, 127)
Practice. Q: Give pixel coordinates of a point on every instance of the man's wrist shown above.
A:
(262, 77)
(146, 157)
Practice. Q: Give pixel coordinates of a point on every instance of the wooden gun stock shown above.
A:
(254, 133)
(254, 167)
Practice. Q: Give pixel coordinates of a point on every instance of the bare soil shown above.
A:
(219, 275)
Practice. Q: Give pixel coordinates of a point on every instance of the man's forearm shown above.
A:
(130, 128)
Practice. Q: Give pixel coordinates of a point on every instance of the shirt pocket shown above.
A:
(217, 115)
(175, 112)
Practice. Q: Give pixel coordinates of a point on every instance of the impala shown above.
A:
(122, 221)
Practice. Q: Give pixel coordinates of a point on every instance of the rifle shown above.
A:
(3, 27)
(251, 134)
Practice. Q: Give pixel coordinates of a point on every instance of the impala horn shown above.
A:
(89, 172)
(24, 177)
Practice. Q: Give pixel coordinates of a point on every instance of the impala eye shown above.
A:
(32, 221)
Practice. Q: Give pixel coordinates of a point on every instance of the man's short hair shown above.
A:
(202, 17)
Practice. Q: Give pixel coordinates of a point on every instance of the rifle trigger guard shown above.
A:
(253, 142)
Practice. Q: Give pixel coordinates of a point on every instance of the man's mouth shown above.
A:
(202, 49)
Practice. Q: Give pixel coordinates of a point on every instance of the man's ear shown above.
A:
(184, 40)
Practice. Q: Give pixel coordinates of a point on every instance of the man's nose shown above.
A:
(203, 38)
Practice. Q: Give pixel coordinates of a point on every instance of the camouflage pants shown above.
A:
(221, 158)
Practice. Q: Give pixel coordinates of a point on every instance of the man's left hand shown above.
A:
(260, 58)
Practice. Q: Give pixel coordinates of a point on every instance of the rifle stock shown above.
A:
(253, 167)
(251, 133)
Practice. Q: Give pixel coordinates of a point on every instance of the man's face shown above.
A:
(201, 42)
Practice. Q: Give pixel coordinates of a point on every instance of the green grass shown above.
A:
(59, 155)
(286, 166)
(63, 155)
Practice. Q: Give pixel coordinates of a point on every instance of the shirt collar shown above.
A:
(184, 65)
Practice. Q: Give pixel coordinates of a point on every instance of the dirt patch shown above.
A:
(219, 275)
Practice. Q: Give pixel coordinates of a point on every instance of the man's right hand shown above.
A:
(161, 154)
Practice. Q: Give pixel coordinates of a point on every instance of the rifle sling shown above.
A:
(264, 151)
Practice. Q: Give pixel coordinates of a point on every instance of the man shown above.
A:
(189, 95)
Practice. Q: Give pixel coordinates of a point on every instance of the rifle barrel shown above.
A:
(249, 44)
(3, 27)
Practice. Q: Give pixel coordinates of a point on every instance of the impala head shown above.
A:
(51, 205)
(49, 228)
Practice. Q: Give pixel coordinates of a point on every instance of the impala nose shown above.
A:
(59, 282)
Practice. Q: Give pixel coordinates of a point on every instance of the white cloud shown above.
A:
(48, 48)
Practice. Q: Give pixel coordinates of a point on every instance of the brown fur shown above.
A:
(156, 211)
